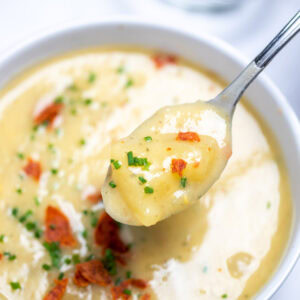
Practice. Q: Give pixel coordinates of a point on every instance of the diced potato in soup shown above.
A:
(57, 124)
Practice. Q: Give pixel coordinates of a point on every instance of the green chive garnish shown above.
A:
(148, 138)
(92, 77)
(142, 179)
(183, 181)
(112, 184)
(116, 164)
(15, 285)
(88, 101)
(148, 190)
(46, 267)
(129, 83)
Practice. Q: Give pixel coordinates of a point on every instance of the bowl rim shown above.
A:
(291, 255)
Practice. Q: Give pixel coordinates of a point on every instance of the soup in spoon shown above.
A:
(167, 163)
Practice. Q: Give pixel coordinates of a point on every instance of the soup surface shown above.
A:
(56, 124)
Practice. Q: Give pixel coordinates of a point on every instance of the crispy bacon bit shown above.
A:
(1, 256)
(58, 291)
(117, 293)
(48, 114)
(91, 271)
(138, 283)
(146, 297)
(95, 198)
(33, 168)
(188, 136)
(160, 60)
(58, 228)
(107, 234)
(178, 165)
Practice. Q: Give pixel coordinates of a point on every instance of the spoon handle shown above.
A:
(229, 97)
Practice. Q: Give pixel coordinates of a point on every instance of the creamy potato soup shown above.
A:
(57, 122)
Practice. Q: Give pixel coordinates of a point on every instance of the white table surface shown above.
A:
(248, 29)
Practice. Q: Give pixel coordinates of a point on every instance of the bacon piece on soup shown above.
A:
(33, 169)
(188, 136)
(58, 228)
(95, 198)
(91, 271)
(48, 114)
(178, 165)
(58, 291)
(146, 297)
(107, 234)
(138, 283)
(160, 60)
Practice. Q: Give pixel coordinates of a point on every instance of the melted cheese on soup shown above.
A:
(57, 122)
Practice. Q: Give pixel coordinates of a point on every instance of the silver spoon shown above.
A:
(230, 96)
(130, 202)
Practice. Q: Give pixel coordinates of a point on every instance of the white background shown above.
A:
(247, 28)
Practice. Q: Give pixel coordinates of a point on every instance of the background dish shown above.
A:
(206, 51)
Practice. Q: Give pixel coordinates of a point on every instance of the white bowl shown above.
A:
(200, 49)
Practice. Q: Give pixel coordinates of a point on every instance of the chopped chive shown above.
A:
(61, 276)
(148, 138)
(2, 236)
(38, 233)
(15, 285)
(92, 77)
(85, 234)
(88, 101)
(128, 274)
(130, 158)
(73, 111)
(142, 179)
(15, 211)
(20, 155)
(54, 252)
(52, 226)
(224, 296)
(112, 184)
(24, 217)
(268, 205)
(85, 212)
(30, 226)
(148, 190)
(19, 191)
(10, 256)
(59, 99)
(54, 171)
(118, 281)
(120, 70)
(129, 83)
(46, 267)
(68, 261)
(116, 164)
(50, 146)
(82, 142)
(109, 262)
(36, 201)
(127, 292)
(75, 259)
(183, 181)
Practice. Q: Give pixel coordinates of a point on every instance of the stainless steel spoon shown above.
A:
(230, 96)
(130, 202)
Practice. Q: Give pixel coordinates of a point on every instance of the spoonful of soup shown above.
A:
(174, 157)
